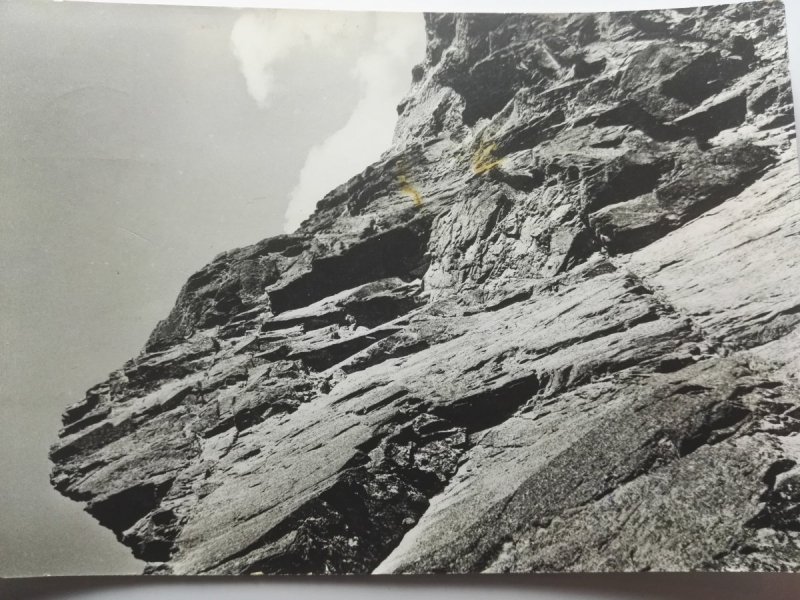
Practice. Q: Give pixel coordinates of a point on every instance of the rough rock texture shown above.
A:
(554, 328)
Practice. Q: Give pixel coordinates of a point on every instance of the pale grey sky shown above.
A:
(133, 149)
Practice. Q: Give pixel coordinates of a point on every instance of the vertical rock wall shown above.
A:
(554, 328)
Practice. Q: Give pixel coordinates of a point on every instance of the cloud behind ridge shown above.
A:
(387, 45)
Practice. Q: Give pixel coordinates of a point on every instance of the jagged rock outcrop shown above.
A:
(553, 328)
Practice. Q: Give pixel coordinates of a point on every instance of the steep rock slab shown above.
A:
(553, 328)
(558, 486)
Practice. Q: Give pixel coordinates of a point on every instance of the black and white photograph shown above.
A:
(306, 292)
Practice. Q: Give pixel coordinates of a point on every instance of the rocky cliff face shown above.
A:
(554, 328)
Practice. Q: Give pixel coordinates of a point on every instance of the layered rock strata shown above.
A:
(554, 328)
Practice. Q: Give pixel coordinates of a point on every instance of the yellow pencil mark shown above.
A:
(406, 187)
(409, 190)
(484, 160)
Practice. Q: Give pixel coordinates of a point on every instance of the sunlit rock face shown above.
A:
(554, 328)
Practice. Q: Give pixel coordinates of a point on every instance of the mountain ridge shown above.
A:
(553, 328)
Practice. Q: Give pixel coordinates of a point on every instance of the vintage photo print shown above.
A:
(307, 292)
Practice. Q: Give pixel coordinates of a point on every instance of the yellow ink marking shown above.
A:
(409, 190)
(406, 187)
(484, 160)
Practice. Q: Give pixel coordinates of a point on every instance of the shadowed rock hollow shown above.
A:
(554, 328)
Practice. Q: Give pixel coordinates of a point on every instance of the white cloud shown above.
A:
(383, 74)
(387, 46)
(260, 40)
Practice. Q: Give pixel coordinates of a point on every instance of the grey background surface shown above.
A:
(238, 165)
